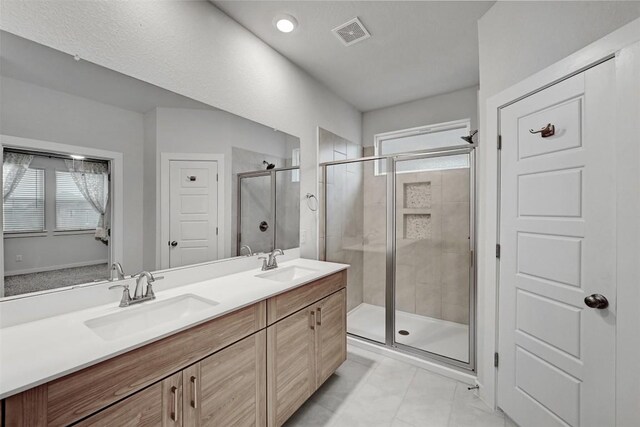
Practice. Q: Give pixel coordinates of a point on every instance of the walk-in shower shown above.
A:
(268, 210)
(405, 225)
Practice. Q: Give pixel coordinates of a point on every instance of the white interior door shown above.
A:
(193, 210)
(557, 236)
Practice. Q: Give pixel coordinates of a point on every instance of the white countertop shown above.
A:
(37, 352)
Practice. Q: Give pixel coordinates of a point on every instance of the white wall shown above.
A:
(192, 48)
(516, 40)
(181, 130)
(461, 104)
(31, 111)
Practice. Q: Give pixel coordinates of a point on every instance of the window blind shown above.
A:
(73, 211)
(24, 208)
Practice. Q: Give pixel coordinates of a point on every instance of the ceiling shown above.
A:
(417, 48)
(30, 62)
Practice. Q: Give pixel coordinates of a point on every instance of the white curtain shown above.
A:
(14, 166)
(92, 179)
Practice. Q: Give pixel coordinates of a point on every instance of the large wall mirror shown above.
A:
(99, 167)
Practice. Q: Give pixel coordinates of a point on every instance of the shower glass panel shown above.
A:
(404, 223)
(256, 212)
(432, 267)
(287, 221)
(356, 222)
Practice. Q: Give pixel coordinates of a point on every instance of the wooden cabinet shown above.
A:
(331, 335)
(230, 371)
(290, 364)
(228, 388)
(158, 404)
(303, 350)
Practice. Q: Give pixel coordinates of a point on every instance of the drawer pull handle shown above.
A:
(312, 321)
(174, 413)
(194, 392)
(545, 132)
(319, 316)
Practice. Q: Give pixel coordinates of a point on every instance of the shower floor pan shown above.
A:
(437, 336)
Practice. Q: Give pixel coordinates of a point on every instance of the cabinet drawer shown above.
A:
(289, 302)
(158, 404)
(85, 392)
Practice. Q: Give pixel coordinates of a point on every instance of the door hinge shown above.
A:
(216, 177)
(499, 142)
(496, 358)
(498, 251)
(216, 231)
(471, 258)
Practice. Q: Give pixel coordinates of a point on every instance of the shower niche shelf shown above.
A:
(417, 225)
(417, 195)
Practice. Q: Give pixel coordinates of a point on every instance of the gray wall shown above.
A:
(461, 104)
(182, 130)
(227, 66)
(30, 111)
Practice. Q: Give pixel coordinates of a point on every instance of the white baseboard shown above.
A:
(445, 371)
(54, 267)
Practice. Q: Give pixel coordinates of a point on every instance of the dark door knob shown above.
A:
(173, 244)
(596, 301)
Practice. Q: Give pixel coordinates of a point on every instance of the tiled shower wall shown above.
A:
(432, 231)
(344, 231)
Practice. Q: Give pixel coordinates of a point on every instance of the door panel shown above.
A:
(291, 375)
(233, 384)
(331, 335)
(193, 211)
(557, 232)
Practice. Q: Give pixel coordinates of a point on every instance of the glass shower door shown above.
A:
(433, 283)
(256, 221)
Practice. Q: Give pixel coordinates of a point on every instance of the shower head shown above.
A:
(269, 165)
(469, 138)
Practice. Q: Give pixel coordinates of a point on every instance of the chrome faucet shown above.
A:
(271, 262)
(117, 267)
(248, 248)
(138, 297)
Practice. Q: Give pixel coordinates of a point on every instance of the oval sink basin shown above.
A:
(287, 274)
(147, 315)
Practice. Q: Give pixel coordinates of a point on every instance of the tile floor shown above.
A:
(373, 390)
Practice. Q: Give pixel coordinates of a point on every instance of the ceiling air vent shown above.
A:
(351, 32)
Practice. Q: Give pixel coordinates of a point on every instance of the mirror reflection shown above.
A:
(100, 168)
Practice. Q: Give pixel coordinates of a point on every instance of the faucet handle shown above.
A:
(265, 263)
(149, 293)
(126, 296)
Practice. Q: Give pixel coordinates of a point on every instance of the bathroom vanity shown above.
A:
(251, 357)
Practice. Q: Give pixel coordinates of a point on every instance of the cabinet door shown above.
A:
(331, 335)
(290, 365)
(156, 405)
(228, 388)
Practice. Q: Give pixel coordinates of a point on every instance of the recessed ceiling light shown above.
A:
(77, 157)
(285, 23)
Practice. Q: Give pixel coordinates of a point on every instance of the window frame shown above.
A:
(419, 130)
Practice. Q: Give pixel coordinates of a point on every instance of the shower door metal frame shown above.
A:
(390, 258)
(273, 218)
(390, 301)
